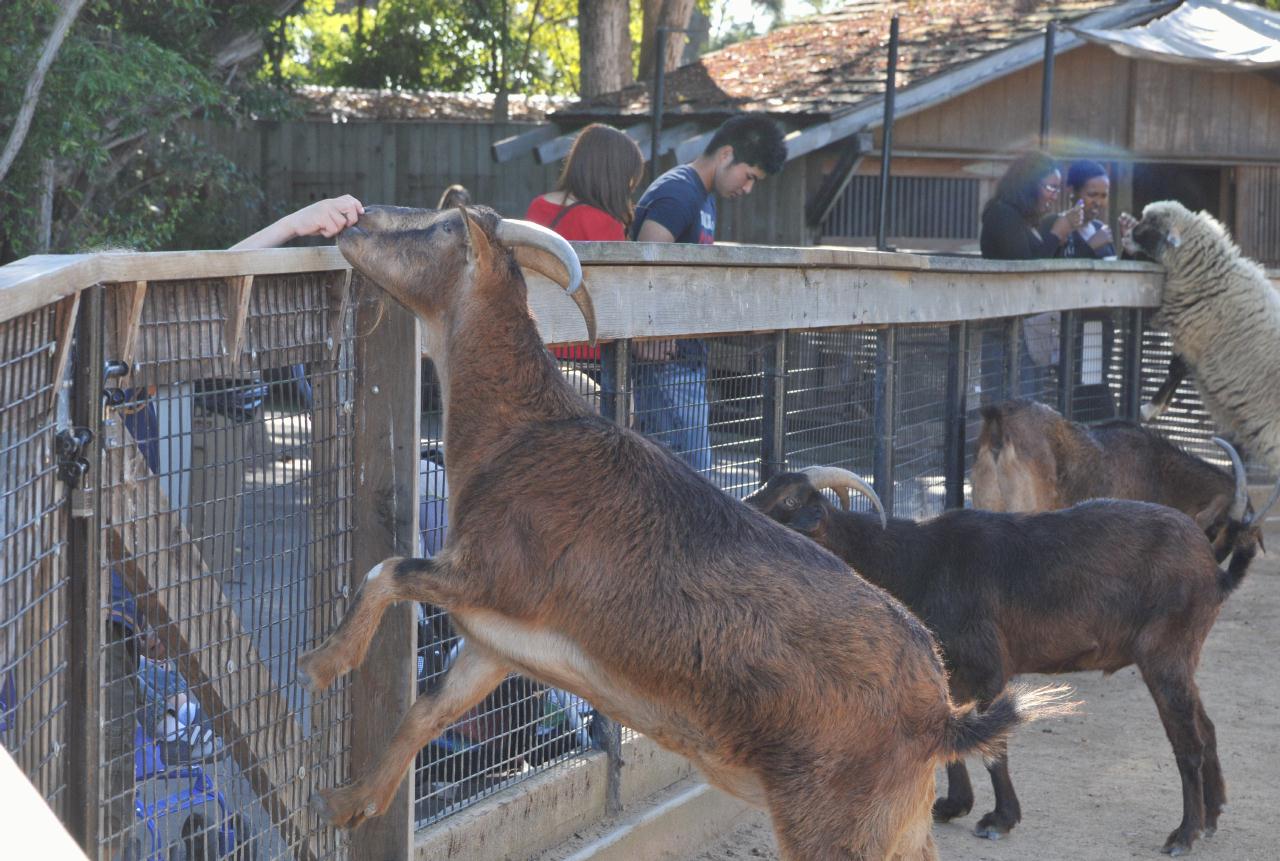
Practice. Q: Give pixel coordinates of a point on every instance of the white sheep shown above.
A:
(1224, 316)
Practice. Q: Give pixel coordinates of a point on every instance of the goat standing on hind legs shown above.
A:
(668, 604)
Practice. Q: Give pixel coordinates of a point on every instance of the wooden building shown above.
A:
(968, 100)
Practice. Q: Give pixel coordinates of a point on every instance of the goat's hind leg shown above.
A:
(474, 674)
(392, 580)
(1178, 702)
(1215, 789)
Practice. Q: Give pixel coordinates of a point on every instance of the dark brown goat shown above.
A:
(1100, 586)
(670, 606)
(1030, 458)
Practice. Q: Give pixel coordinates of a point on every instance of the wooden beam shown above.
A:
(239, 292)
(161, 565)
(557, 148)
(339, 299)
(65, 330)
(838, 180)
(43, 279)
(128, 297)
(386, 447)
(517, 145)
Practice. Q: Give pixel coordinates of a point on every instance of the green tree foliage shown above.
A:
(112, 118)
(455, 45)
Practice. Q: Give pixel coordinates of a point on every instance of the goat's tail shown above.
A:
(985, 732)
(1243, 541)
(992, 433)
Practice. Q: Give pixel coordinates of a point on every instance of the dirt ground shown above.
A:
(1103, 785)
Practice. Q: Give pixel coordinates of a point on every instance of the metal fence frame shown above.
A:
(876, 362)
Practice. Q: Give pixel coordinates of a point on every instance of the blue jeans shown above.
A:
(671, 408)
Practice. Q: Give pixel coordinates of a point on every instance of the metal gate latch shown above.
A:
(70, 445)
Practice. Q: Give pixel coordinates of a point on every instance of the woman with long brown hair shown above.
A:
(592, 200)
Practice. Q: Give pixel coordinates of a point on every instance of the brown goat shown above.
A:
(1099, 586)
(669, 605)
(1030, 458)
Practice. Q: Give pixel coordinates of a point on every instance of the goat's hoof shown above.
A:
(992, 828)
(1179, 843)
(320, 807)
(311, 673)
(946, 809)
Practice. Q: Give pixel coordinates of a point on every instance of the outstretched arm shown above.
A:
(324, 217)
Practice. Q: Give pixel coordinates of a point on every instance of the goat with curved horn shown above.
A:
(841, 481)
(1241, 501)
(539, 248)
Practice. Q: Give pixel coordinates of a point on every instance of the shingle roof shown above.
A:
(341, 104)
(820, 66)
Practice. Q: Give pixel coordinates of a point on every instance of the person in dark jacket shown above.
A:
(1027, 192)
(1011, 230)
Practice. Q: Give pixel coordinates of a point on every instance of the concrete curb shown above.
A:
(686, 817)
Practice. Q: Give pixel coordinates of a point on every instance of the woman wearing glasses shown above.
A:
(1011, 220)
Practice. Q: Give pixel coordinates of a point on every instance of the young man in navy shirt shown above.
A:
(670, 380)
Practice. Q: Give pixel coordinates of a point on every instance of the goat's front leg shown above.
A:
(392, 580)
(1164, 395)
(1008, 812)
(959, 797)
(474, 674)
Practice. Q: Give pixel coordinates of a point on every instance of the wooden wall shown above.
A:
(402, 163)
(1258, 213)
(1107, 105)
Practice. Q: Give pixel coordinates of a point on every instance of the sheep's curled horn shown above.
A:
(550, 254)
(841, 481)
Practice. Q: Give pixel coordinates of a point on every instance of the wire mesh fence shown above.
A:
(34, 649)
(222, 525)
(226, 508)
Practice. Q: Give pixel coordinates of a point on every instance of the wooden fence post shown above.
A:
(386, 445)
(84, 598)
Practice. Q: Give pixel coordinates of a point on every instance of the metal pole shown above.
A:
(886, 136)
(608, 732)
(886, 370)
(956, 409)
(773, 409)
(1133, 365)
(84, 589)
(659, 64)
(1046, 84)
(1012, 357)
(1067, 362)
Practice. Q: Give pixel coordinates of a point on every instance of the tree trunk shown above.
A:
(22, 123)
(604, 42)
(673, 14)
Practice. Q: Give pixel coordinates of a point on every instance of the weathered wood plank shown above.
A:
(64, 330)
(239, 292)
(127, 300)
(386, 524)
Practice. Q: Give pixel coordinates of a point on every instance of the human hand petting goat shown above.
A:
(325, 218)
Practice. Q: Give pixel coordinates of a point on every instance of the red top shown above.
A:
(581, 223)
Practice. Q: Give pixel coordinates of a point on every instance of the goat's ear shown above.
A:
(479, 246)
(1173, 237)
